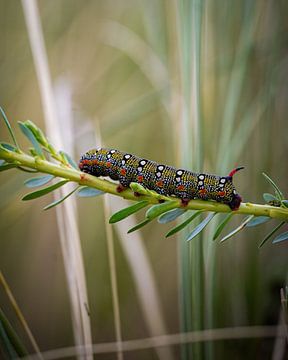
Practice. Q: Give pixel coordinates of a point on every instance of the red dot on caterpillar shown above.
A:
(160, 183)
(139, 178)
(181, 187)
(123, 172)
(203, 191)
(222, 193)
(108, 164)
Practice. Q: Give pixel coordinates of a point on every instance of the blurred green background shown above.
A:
(127, 65)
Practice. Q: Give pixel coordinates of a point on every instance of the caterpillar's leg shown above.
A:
(121, 188)
(184, 202)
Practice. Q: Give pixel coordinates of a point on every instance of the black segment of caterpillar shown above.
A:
(164, 179)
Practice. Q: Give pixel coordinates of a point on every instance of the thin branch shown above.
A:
(109, 187)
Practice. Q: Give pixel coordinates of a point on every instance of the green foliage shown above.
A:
(200, 227)
(166, 210)
(238, 229)
(36, 194)
(86, 191)
(9, 128)
(59, 201)
(124, 213)
(170, 215)
(38, 181)
(183, 224)
(222, 225)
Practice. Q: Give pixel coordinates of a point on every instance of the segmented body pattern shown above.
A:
(163, 179)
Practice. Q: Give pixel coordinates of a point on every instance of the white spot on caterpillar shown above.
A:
(140, 168)
(108, 156)
(234, 192)
(158, 174)
(179, 172)
(127, 156)
(123, 162)
(112, 151)
(201, 177)
(222, 180)
(160, 167)
(142, 162)
(200, 183)
(178, 179)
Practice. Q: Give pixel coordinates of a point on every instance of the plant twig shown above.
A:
(81, 178)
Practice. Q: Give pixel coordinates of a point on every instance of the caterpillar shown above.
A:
(165, 180)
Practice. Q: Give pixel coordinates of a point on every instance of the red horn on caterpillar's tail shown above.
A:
(235, 170)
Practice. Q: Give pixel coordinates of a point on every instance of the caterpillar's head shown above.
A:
(236, 199)
(86, 160)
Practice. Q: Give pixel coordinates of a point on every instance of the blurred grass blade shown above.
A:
(281, 237)
(170, 216)
(200, 227)
(122, 214)
(5, 343)
(87, 191)
(268, 236)
(9, 128)
(38, 181)
(159, 209)
(42, 192)
(278, 192)
(10, 338)
(269, 197)
(238, 229)
(31, 137)
(138, 226)
(59, 201)
(222, 225)
(5, 167)
(183, 224)
(258, 220)
(285, 203)
(69, 159)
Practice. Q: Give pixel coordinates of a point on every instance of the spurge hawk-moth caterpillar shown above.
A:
(165, 180)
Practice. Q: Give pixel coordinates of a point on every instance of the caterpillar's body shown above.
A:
(163, 179)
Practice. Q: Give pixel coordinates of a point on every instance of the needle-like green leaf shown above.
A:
(281, 237)
(69, 160)
(269, 197)
(9, 127)
(87, 191)
(200, 227)
(31, 137)
(171, 215)
(222, 225)
(38, 181)
(5, 167)
(278, 192)
(183, 224)
(284, 203)
(272, 232)
(42, 192)
(122, 214)
(159, 209)
(258, 220)
(238, 229)
(59, 201)
(138, 226)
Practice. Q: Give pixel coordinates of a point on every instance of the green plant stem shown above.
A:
(81, 178)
